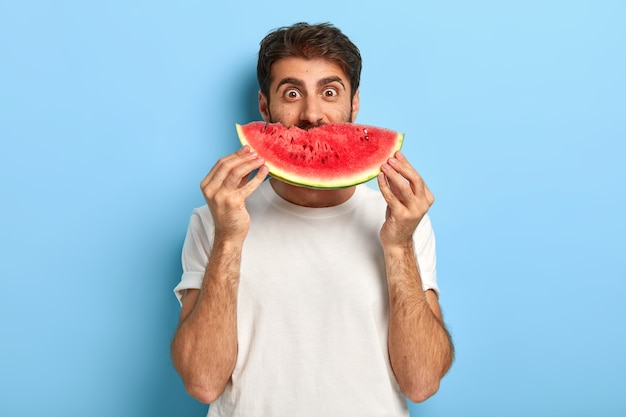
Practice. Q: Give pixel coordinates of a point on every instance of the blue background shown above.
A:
(514, 112)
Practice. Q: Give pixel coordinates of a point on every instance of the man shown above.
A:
(303, 302)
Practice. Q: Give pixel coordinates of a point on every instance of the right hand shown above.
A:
(226, 188)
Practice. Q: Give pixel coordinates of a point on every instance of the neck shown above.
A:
(309, 197)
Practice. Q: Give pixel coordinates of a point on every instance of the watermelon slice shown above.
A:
(331, 156)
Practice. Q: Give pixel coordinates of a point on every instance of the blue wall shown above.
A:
(112, 112)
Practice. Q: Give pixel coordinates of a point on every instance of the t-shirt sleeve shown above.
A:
(425, 251)
(195, 253)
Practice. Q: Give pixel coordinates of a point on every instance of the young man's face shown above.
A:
(308, 93)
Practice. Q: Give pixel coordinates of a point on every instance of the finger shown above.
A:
(230, 169)
(255, 181)
(430, 198)
(235, 182)
(418, 185)
(397, 184)
(385, 189)
(225, 161)
(411, 192)
(404, 167)
(240, 174)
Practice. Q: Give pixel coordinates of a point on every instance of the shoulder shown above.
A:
(201, 215)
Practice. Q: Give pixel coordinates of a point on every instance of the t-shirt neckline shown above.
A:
(313, 212)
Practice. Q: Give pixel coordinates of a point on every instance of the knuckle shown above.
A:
(207, 192)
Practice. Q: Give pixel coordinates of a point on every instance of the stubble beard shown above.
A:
(306, 125)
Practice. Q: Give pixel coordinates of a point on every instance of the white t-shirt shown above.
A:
(312, 308)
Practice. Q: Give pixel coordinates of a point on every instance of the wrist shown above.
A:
(227, 241)
(398, 248)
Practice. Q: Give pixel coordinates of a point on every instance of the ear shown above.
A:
(264, 108)
(356, 102)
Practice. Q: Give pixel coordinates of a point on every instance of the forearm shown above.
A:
(420, 348)
(204, 349)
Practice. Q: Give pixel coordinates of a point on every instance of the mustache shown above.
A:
(304, 124)
(308, 125)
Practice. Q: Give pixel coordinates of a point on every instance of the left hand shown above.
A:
(408, 199)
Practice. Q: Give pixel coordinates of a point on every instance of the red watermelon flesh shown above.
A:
(335, 155)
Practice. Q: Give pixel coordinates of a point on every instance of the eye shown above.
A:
(329, 93)
(292, 94)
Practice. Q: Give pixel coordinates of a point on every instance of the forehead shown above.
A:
(308, 71)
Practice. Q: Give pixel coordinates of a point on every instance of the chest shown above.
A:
(313, 268)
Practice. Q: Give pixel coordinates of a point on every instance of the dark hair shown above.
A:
(307, 41)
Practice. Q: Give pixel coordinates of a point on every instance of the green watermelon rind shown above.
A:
(323, 184)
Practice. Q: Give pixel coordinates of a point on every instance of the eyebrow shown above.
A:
(299, 83)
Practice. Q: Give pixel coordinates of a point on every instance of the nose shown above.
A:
(311, 112)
